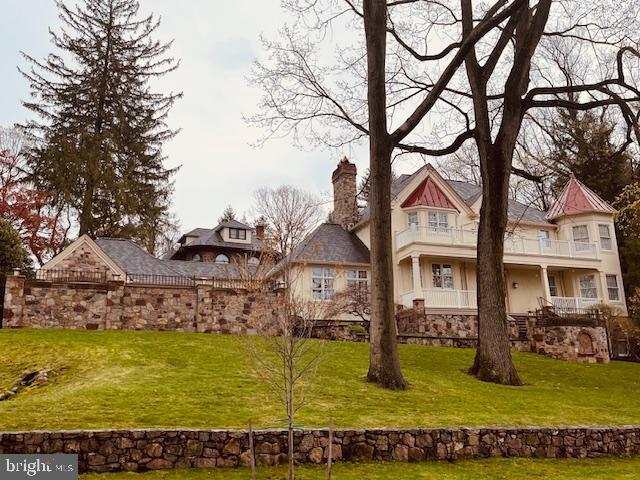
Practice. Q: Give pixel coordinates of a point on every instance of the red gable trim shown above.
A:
(430, 195)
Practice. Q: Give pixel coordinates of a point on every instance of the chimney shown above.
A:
(260, 231)
(345, 208)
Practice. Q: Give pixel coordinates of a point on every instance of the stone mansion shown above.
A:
(566, 257)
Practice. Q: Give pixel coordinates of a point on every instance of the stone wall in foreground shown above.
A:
(140, 450)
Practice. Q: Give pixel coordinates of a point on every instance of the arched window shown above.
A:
(254, 261)
(196, 258)
(222, 258)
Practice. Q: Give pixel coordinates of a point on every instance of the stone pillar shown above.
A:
(417, 279)
(545, 283)
(13, 302)
(114, 308)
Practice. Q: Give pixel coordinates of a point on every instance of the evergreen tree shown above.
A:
(12, 254)
(583, 145)
(101, 127)
(228, 215)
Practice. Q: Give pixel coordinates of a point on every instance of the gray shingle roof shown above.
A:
(133, 259)
(210, 237)
(330, 243)
(517, 211)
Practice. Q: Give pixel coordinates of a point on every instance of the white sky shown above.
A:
(216, 41)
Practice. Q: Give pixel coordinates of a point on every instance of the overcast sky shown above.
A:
(217, 42)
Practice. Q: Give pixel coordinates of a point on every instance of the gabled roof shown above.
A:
(577, 198)
(470, 193)
(232, 224)
(428, 194)
(132, 258)
(330, 243)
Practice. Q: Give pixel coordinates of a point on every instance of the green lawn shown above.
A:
(161, 379)
(513, 469)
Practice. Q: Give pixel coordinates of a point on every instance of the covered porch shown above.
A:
(450, 283)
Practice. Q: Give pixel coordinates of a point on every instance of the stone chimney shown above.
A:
(345, 208)
(260, 231)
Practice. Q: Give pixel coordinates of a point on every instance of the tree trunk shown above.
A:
(493, 362)
(384, 364)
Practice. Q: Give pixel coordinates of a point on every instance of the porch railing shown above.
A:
(513, 244)
(443, 298)
(72, 276)
(574, 303)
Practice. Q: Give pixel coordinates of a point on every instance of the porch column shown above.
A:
(604, 298)
(545, 283)
(417, 280)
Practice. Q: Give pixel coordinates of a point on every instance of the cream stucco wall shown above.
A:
(523, 269)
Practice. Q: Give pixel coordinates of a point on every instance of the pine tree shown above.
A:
(583, 145)
(228, 215)
(101, 127)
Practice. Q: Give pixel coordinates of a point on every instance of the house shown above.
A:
(105, 259)
(230, 239)
(566, 257)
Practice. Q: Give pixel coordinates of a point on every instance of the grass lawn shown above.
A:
(513, 469)
(161, 379)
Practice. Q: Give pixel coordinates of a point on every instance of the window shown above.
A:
(238, 233)
(581, 238)
(553, 286)
(357, 279)
(605, 237)
(253, 261)
(196, 258)
(612, 288)
(222, 258)
(438, 221)
(442, 276)
(322, 283)
(412, 219)
(588, 286)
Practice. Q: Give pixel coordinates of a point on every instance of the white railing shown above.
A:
(574, 303)
(512, 244)
(442, 298)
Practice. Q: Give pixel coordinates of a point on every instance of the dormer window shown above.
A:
(237, 234)
(438, 221)
(412, 219)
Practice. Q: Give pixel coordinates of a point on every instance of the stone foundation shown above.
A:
(115, 305)
(576, 344)
(140, 450)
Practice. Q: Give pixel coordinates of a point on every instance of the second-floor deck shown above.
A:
(513, 244)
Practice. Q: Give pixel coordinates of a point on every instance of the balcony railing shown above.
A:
(443, 298)
(574, 303)
(512, 244)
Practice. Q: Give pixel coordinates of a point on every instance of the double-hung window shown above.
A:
(357, 279)
(605, 237)
(588, 286)
(612, 288)
(438, 221)
(581, 238)
(442, 275)
(322, 283)
(412, 220)
(238, 233)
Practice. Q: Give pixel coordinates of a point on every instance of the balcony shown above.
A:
(443, 298)
(512, 244)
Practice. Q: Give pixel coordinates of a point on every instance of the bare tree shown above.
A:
(490, 70)
(290, 215)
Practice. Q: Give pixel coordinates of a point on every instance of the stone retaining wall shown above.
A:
(115, 305)
(140, 450)
(576, 344)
